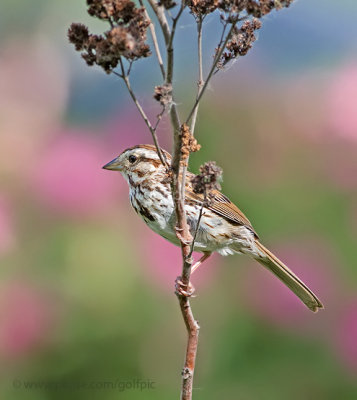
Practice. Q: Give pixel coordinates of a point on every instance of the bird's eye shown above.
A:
(132, 159)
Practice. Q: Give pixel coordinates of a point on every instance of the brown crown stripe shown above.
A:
(155, 163)
(148, 147)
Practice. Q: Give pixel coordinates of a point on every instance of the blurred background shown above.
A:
(86, 289)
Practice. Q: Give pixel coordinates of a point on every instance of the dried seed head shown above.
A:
(189, 143)
(167, 4)
(241, 41)
(243, 37)
(202, 7)
(78, 35)
(233, 6)
(97, 8)
(263, 7)
(207, 180)
(111, 9)
(163, 94)
(256, 8)
(126, 38)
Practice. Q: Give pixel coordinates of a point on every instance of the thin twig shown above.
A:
(161, 17)
(169, 37)
(170, 50)
(211, 72)
(129, 68)
(182, 226)
(155, 41)
(142, 112)
(199, 87)
(195, 112)
(175, 121)
(158, 119)
(197, 226)
(117, 74)
(200, 72)
(222, 35)
(191, 350)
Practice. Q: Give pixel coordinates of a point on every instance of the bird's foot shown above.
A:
(183, 290)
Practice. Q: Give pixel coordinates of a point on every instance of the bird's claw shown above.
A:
(183, 290)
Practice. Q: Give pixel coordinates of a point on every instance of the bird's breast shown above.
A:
(155, 207)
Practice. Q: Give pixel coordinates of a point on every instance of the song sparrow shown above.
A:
(223, 227)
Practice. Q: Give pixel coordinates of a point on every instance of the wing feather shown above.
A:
(222, 206)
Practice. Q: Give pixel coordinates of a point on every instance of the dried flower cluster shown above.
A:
(260, 8)
(203, 7)
(167, 4)
(256, 8)
(207, 180)
(188, 143)
(241, 41)
(126, 38)
(233, 11)
(163, 94)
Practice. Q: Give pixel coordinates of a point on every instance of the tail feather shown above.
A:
(270, 261)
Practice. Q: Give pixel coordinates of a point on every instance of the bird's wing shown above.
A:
(221, 205)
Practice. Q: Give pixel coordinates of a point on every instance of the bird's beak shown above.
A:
(113, 165)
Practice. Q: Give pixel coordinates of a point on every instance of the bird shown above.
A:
(223, 228)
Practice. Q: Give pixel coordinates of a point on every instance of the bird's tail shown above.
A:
(270, 261)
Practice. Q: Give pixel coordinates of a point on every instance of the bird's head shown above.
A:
(138, 162)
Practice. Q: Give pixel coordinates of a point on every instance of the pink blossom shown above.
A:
(341, 102)
(25, 318)
(31, 102)
(69, 178)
